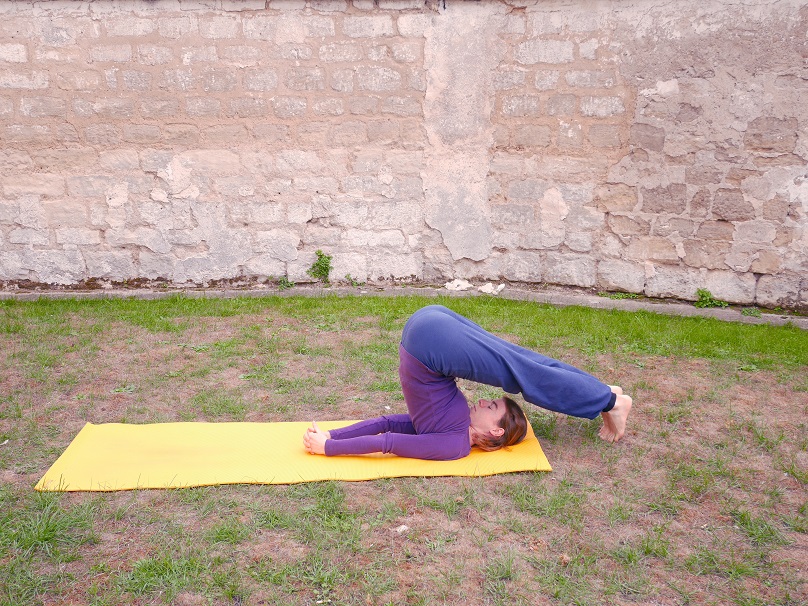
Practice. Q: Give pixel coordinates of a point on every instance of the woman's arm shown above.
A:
(435, 446)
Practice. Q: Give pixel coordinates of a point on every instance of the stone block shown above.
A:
(591, 78)
(625, 226)
(671, 199)
(402, 106)
(109, 265)
(177, 27)
(56, 266)
(615, 197)
(305, 78)
(605, 135)
(340, 52)
(531, 135)
(414, 25)
(329, 107)
(519, 106)
(668, 281)
(531, 52)
(561, 105)
(178, 80)
(508, 79)
(152, 54)
(759, 232)
(14, 160)
(624, 276)
(731, 287)
(29, 236)
(111, 53)
(772, 135)
(141, 133)
(146, 237)
(374, 26)
(219, 26)
(705, 253)
(378, 78)
(527, 189)
(31, 80)
(271, 132)
(730, 205)
(40, 184)
(602, 107)
(136, 80)
(546, 79)
(211, 161)
(225, 135)
(102, 134)
(199, 107)
(406, 52)
(767, 262)
(651, 248)
(81, 80)
(778, 291)
(349, 133)
(265, 265)
(13, 53)
(64, 159)
(242, 56)
(329, 6)
(105, 108)
(215, 80)
(199, 54)
(160, 108)
(390, 238)
(78, 236)
(569, 269)
(39, 107)
(342, 80)
(280, 244)
(570, 135)
(291, 163)
(153, 267)
(9, 211)
(289, 107)
(248, 107)
(385, 265)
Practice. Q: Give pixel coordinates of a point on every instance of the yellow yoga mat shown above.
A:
(118, 456)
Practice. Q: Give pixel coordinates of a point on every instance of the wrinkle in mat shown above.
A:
(117, 456)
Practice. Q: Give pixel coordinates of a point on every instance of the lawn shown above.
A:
(704, 502)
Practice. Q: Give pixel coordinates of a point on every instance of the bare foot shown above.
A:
(614, 421)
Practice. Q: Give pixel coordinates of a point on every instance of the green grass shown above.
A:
(699, 505)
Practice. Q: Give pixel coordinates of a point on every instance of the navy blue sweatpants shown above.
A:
(454, 346)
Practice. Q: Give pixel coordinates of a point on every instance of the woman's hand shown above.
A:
(314, 439)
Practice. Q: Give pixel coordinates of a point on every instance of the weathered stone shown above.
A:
(755, 231)
(615, 197)
(623, 225)
(652, 249)
(279, 244)
(671, 199)
(673, 226)
(522, 266)
(776, 291)
(767, 262)
(705, 253)
(532, 135)
(647, 137)
(368, 26)
(731, 287)
(605, 135)
(730, 205)
(378, 78)
(602, 107)
(667, 281)
(622, 276)
(561, 105)
(41, 184)
(568, 269)
(521, 105)
(545, 51)
(109, 265)
(772, 135)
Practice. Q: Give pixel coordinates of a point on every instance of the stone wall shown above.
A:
(645, 146)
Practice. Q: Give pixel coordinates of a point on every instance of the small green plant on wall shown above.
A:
(321, 268)
(706, 299)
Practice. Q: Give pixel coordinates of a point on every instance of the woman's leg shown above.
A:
(454, 346)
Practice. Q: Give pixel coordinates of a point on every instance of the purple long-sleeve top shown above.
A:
(437, 426)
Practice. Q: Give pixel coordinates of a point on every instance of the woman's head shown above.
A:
(497, 423)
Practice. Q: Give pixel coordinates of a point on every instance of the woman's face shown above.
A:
(486, 416)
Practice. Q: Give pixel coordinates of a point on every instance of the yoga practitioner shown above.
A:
(437, 347)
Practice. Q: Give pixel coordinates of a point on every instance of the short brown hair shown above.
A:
(514, 422)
